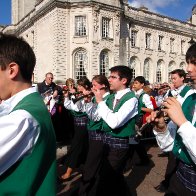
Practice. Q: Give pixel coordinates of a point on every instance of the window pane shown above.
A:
(133, 67)
(80, 62)
(105, 27)
(80, 25)
(133, 38)
(158, 72)
(104, 63)
(148, 40)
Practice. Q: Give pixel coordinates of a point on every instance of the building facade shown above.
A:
(75, 38)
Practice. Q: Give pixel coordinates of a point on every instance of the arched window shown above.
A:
(158, 71)
(147, 69)
(133, 66)
(104, 63)
(170, 68)
(80, 63)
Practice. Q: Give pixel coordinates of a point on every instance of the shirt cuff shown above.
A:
(185, 126)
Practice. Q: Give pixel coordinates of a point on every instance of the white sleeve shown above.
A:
(165, 140)
(77, 107)
(91, 111)
(188, 133)
(117, 119)
(19, 132)
(147, 102)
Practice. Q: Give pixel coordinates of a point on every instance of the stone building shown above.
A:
(73, 38)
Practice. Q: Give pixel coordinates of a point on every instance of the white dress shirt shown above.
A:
(91, 109)
(19, 131)
(117, 119)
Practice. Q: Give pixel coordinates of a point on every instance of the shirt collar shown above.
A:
(7, 106)
(180, 88)
(107, 93)
(139, 92)
(120, 93)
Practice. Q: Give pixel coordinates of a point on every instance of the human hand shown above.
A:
(157, 119)
(174, 110)
(98, 95)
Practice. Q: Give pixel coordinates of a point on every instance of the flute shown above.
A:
(82, 97)
(138, 135)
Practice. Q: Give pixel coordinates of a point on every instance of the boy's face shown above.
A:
(137, 85)
(177, 81)
(191, 69)
(116, 83)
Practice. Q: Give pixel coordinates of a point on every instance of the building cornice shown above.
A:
(36, 13)
(162, 22)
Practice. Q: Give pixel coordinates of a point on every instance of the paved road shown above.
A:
(141, 180)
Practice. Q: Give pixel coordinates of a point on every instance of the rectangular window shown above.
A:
(80, 25)
(148, 40)
(133, 38)
(160, 43)
(171, 45)
(105, 27)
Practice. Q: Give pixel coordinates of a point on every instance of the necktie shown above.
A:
(117, 101)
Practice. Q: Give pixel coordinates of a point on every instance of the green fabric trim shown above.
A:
(38, 169)
(179, 148)
(96, 125)
(128, 129)
(141, 104)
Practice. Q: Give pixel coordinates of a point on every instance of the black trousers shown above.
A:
(112, 182)
(79, 147)
(170, 170)
(176, 188)
(140, 150)
(91, 168)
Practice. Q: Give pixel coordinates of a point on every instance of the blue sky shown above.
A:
(178, 9)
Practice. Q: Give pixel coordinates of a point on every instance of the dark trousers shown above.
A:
(79, 146)
(112, 182)
(170, 170)
(140, 150)
(176, 188)
(91, 168)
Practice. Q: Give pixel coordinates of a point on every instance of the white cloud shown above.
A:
(153, 5)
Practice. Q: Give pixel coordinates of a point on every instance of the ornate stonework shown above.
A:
(49, 27)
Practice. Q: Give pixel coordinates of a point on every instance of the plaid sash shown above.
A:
(187, 175)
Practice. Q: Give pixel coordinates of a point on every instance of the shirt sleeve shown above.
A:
(117, 119)
(19, 132)
(147, 102)
(165, 139)
(91, 111)
(77, 107)
(188, 134)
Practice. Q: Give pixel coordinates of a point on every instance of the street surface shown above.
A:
(141, 179)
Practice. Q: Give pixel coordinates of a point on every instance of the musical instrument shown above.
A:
(87, 95)
(160, 113)
(82, 97)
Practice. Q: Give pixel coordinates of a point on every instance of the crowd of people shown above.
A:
(101, 118)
